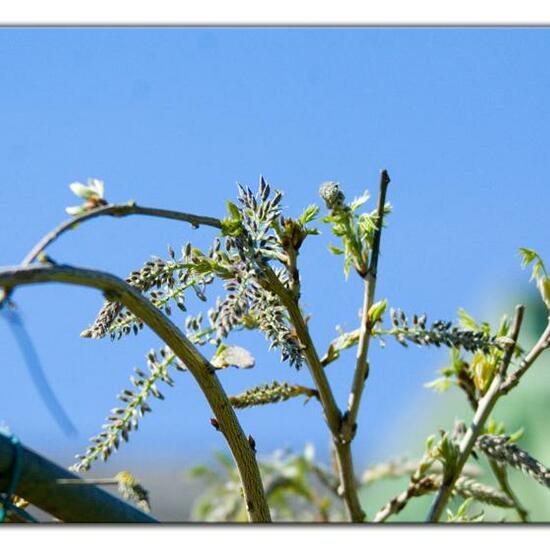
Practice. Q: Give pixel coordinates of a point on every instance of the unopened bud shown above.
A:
(331, 193)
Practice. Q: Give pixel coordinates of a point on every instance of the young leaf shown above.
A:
(335, 250)
(359, 201)
(466, 320)
(376, 311)
(233, 210)
(309, 214)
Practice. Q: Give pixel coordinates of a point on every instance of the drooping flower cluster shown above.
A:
(163, 281)
(440, 333)
(125, 418)
(499, 448)
(274, 393)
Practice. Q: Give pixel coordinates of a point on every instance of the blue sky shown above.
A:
(174, 117)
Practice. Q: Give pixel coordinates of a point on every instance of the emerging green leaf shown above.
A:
(309, 214)
(376, 311)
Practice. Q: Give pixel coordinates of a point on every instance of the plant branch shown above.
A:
(362, 365)
(342, 428)
(464, 486)
(485, 406)
(514, 378)
(331, 411)
(119, 211)
(199, 366)
(500, 473)
(116, 210)
(330, 408)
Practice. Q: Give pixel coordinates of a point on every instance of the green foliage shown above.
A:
(460, 516)
(529, 256)
(539, 273)
(356, 231)
(296, 486)
(309, 214)
(474, 373)
(344, 341)
(376, 311)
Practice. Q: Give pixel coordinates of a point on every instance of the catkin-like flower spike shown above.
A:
(441, 333)
(130, 488)
(274, 393)
(163, 282)
(470, 488)
(125, 419)
(465, 487)
(498, 448)
(402, 467)
(247, 304)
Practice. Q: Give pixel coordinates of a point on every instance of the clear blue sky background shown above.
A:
(174, 117)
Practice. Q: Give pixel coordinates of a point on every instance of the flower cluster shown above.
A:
(124, 419)
(164, 282)
(438, 334)
(274, 393)
(247, 303)
(499, 448)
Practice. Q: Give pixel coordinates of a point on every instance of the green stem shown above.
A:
(484, 409)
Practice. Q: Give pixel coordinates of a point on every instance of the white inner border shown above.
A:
(281, 12)
(278, 12)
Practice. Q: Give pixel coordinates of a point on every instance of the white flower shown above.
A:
(98, 185)
(94, 190)
(92, 193)
(74, 210)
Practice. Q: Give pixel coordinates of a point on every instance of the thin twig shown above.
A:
(466, 487)
(115, 210)
(199, 366)
(499, 472)
(330, 408)
(348, 425)
(485, 406)
(399, 468)
(119, 211)
(331, 411)
(342, 428)
(501, 475)
(514, 378)
(416, 488)
(362, 365)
